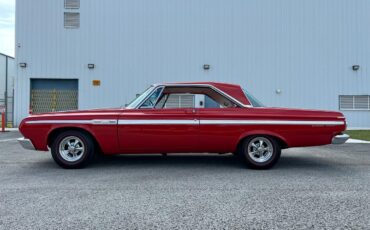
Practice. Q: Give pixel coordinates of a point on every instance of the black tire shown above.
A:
(79, 158)
(262, 159)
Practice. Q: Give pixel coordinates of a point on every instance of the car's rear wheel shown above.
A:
(260, 152)
(72, 149)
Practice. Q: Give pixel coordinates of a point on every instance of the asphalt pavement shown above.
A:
(310, 188)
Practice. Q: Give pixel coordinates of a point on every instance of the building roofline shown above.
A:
(6, 55)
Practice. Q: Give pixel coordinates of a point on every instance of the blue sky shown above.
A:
(7, 27)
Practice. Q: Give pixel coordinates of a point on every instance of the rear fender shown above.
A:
(284, 142)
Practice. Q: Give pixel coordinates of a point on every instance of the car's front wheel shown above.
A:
(260, 152)
(72, 149)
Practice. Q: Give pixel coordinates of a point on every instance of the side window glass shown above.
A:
(171, 98)
(190, 101)
(161, 102)
(210, 103)
(152, 99)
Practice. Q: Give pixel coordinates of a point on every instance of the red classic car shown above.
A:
(196, 117)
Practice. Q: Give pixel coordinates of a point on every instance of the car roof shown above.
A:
(233, 90)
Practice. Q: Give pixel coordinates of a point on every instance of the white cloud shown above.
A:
(7, 41)
(7, 3)
(7, 21)
(7, 27)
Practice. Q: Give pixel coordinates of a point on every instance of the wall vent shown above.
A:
(354, 102)
(71, 20)
(71, 4)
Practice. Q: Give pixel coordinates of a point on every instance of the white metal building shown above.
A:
(291, 53)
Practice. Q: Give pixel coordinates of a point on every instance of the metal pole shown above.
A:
(2, 121)
(13, 108)
(6, 89)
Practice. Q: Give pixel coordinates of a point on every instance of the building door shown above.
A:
(52, 95)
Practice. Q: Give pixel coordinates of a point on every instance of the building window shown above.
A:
(71, 4)
(354, 102)
(71, 20)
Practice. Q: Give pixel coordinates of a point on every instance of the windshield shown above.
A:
(138, 99)
(252, 99)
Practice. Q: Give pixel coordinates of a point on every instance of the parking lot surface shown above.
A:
(321, 187)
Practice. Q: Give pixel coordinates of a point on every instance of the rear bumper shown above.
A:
(26, 143)
(340, 139)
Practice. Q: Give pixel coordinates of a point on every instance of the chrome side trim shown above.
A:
(88, 122)
(268, 122)
(226, 122)
(340, 139)
(186, 122)
(60, 122)
(80, 114)
(26, 143)
(104, 122)
(158, 122)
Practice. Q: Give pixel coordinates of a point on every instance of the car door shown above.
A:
(217, 133)
(167, 130)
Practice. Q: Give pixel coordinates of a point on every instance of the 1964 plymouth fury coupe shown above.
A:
(195, 117)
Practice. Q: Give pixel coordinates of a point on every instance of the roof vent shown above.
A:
(71, 4)
(71, 20)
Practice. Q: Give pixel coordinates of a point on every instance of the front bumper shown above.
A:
(26, 143)
(340, 139)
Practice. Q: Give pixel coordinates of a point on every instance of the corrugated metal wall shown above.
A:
(305, 48)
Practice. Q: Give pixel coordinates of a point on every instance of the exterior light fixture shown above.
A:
(206, 67)
(355, 67)
(91, 66)
(23, 65)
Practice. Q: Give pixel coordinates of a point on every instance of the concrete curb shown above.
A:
(11, 129)
(356, 141)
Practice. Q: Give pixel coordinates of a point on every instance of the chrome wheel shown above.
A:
(260, 149)
(71, 149)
